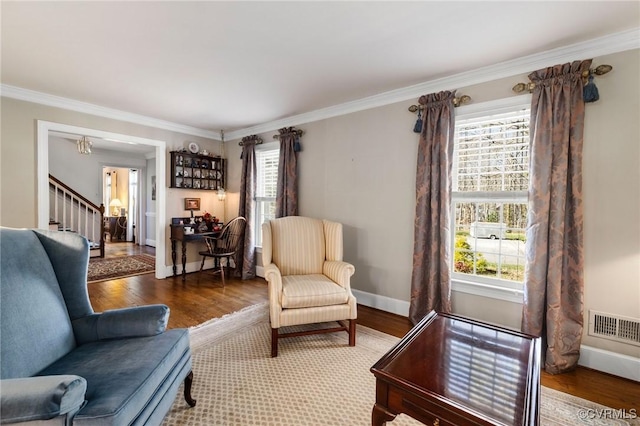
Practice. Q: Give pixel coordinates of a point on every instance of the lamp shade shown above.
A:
(115, 205)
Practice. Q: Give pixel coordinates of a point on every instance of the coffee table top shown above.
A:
(469, 364)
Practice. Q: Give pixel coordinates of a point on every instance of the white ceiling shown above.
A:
(233, 65)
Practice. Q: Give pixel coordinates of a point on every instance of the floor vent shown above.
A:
(614, 327)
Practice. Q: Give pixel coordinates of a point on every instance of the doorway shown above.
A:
(44, 128)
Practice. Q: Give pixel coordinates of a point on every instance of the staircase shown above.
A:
(71, 212)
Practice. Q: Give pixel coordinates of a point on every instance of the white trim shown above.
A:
(150, 214)
(612, 43)
(384, 303)
(497, 106)
(190, 267)
(260, 271)
(150, 243)
(42, 170)
(487, 290)
(610, 362)
(100, 111)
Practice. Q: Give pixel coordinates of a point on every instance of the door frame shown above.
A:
(42, 172)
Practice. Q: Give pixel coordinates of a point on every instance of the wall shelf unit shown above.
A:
(194, 171)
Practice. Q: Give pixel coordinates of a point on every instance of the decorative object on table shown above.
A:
(115, 205)
(210, 221)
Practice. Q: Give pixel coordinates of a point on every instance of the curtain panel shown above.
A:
(287, 187)
(247, 262)
(430, 280)
(553, 290)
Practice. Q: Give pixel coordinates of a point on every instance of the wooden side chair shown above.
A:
(225, 245)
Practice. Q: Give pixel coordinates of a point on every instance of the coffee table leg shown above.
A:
(380, 415)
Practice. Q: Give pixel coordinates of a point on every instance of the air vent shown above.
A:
(614, 327)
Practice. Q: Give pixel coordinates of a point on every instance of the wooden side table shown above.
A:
(450, 370)
(118, 228)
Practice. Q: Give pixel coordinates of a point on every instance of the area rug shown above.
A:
(120, 267)
(315, 380)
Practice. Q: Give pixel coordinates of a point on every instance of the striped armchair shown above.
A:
(308, 281)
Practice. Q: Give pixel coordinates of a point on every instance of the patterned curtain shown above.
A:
(287, 188)
(553, 288)
(430, 281)
(247, 265)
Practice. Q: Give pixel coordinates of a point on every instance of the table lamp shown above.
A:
(115, 204)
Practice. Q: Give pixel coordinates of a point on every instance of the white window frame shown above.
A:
(487, 287)
(259, 200)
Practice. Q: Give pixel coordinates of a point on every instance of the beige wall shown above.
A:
(359, 169)
(18, 161)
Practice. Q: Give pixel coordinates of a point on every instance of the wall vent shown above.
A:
(614, 327)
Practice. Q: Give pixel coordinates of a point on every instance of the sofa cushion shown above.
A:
(36, 329)
(307, 291)
(140, 365)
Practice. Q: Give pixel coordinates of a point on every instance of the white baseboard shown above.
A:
(384, 303)
(150, 243)
(590, 357)
(189, 267)
(610, 362)
(260, 271)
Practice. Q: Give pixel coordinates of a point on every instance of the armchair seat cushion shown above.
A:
(308, 291)
(139, 374)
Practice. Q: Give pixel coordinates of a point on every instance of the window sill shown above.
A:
(487, 290)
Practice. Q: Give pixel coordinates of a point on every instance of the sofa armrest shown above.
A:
(139, 321)
(274, 279)
(41, 398)
(339, 272)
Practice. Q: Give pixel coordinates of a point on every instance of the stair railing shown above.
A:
(71, 212)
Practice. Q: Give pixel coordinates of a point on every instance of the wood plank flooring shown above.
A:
(202, 297)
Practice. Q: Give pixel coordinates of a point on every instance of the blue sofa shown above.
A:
(63, 364)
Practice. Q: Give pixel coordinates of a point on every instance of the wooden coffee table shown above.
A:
(450, 370)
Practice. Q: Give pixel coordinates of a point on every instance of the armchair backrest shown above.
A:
(300, 245)
(35, 323)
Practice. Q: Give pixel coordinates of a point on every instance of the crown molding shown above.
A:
(613, 43)
(100, 111)
(609, 44)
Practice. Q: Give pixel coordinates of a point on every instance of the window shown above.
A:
(267, 181)
(489, 199)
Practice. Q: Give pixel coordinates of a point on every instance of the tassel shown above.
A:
(417, 128)
(590, 91)
(296, 146)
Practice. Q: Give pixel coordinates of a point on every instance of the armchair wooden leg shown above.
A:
(352, 332)
(274, 342)
(188, 382)
(202, 264)
(222, 273)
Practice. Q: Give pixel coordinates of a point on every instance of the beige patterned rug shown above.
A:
(315, 380)
(120, 267)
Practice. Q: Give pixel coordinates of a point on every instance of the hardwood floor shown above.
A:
(202, 297)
